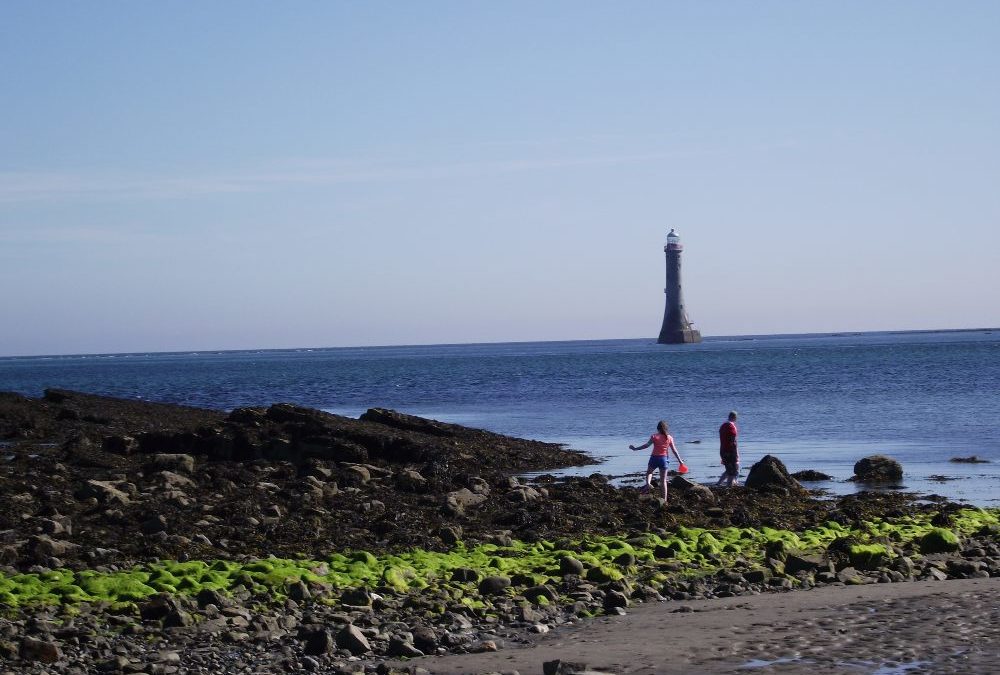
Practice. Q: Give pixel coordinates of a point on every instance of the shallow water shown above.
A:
(817, 402)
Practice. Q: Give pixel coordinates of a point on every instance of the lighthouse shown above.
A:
(677, 328)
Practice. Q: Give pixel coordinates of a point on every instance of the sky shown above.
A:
(239, 175)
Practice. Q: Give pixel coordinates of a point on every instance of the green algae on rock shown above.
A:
(687, 552)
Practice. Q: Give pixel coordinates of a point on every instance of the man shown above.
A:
(729, 452)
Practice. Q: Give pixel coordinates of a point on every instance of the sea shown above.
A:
(817, 401)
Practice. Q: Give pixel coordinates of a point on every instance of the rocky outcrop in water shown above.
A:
(877, 469)
(770, 474)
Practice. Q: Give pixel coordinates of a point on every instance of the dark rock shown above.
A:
(44, 546)
(116, 664)
(46, 651)
(167, 442)
(398, 420)
(935, 574)
(810, 475)
(570, 565)
(164, 462)
(298, 591)
(104, 491)
(877, 469)
(964, 568)
(353, 640)
(177, 618)
(974, 459)
(541, 591)
(494, 585)
(409, 480)
(401, 648)
(158, 607)
(795, 563)
(696, 490)
(770, 472)
(758, 576)
(154, 525)
(356, 597)
(559, 667)
(465, 574)
(318, 642)
(846, 574)
(207, 596)
(68, 414)
(615, 599)
(625, 559)
(425, 639)
(119, 445)
(451, 535)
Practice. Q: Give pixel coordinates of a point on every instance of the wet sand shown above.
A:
(915, 627)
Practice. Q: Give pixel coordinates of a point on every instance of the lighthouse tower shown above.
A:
(677, 328)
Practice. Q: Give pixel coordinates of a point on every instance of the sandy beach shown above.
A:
(917, 627)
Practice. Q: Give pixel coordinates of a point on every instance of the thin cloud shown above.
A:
(17, 187)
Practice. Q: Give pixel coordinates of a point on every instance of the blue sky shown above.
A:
(247, 174)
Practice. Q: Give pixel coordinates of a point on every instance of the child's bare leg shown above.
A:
(663, 483)
(649, 478)
(723, 477)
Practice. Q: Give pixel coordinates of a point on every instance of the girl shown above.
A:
(663, 444)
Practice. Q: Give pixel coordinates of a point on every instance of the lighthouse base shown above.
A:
(679, 337)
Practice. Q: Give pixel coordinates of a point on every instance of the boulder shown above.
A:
(410, 480)
(770, 472)
(168, 462)
(318, 642)
(795, 563)
(494, 585)
(614, 599)
(119, 445)
(357, 597)
(877, 469)
(465, 574)
(459, 500)
(104, 491)
(402, 648)
(541, 591)
(425, 639)
(356, 474)
(570, 565)
(33, 649)
(451, 534)
(559, 667)
(172, 480)
(353, 640)
(685, 486)
(939, 540)
(44, 546)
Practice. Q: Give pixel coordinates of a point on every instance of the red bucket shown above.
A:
(682, 468)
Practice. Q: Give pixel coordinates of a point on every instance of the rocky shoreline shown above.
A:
(148, 538)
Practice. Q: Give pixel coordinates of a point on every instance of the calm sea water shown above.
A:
(817, 401)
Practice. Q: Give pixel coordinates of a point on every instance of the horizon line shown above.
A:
(742, 336)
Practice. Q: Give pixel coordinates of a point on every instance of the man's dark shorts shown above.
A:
(732, 463)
